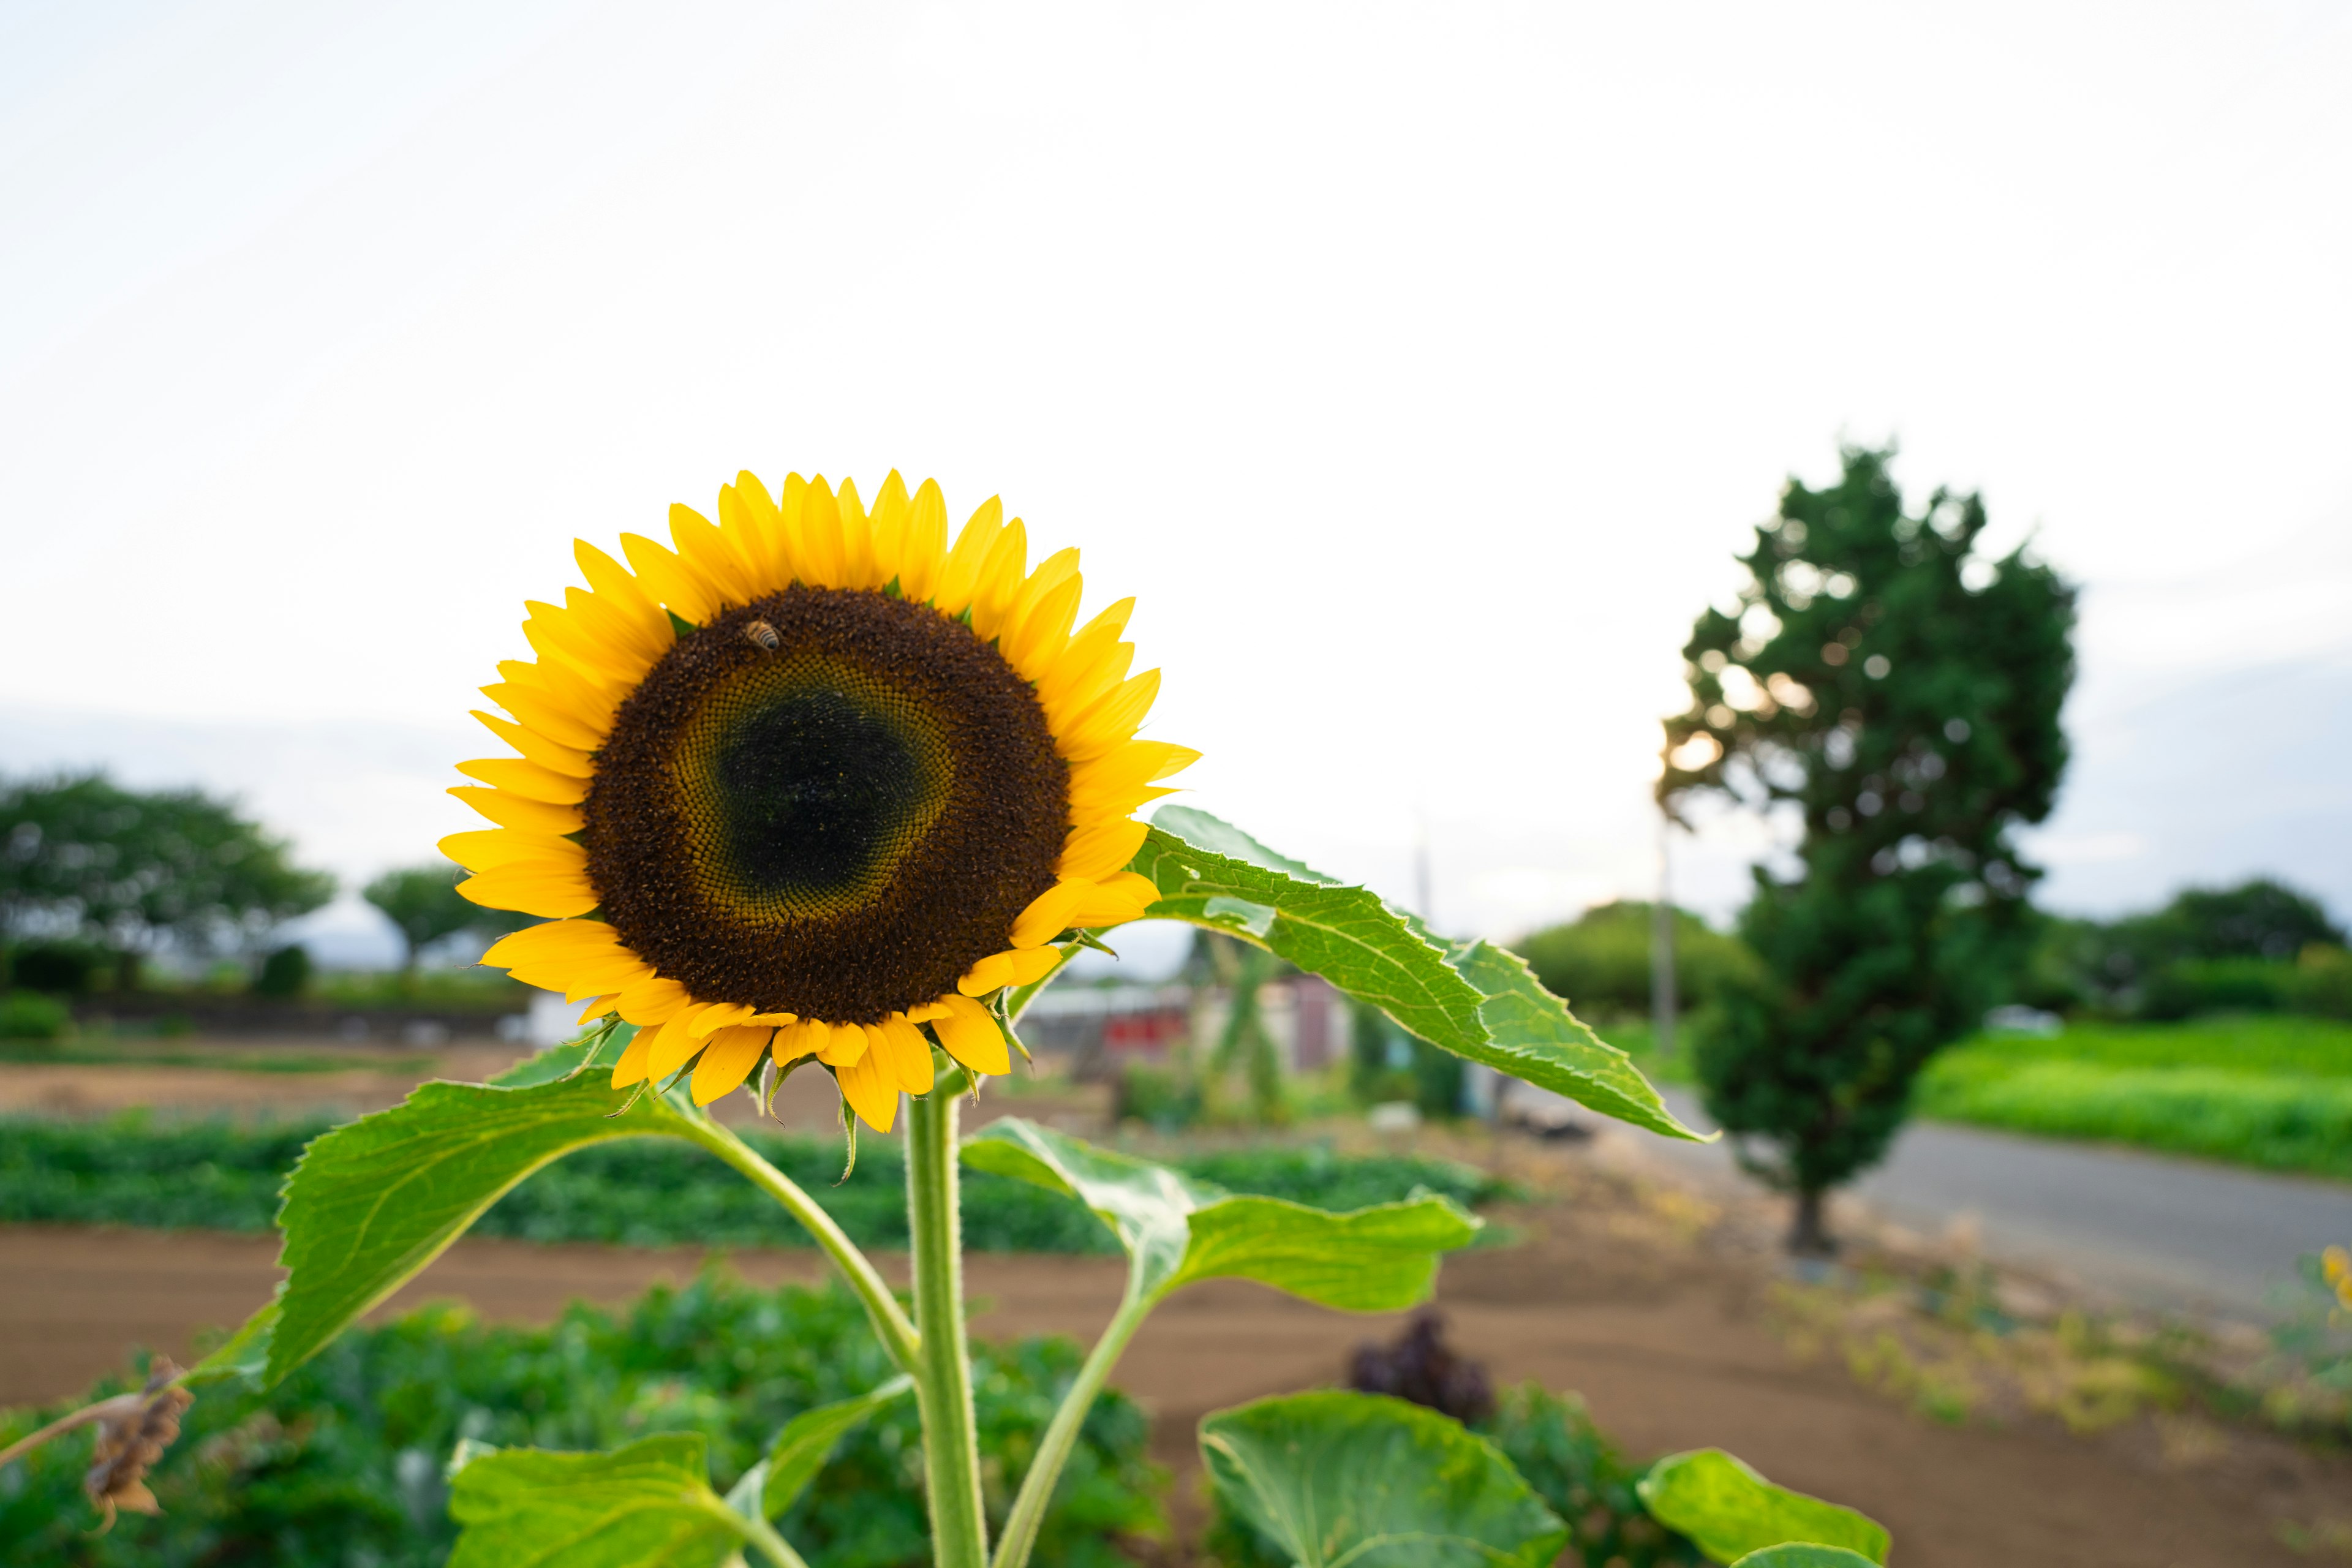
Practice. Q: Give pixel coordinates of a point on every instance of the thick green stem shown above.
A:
(943, 1368)
(890, 1324)
(1037, 1487)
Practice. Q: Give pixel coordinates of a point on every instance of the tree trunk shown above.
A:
(1809, 1235)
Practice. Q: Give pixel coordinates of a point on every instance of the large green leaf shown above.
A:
(1471, 997)
(649, 1502)
(371, 1203)
(802, 1448)
(1368, 1481)
(1730, 1512)
(1177, 1228)
(1803, 1554)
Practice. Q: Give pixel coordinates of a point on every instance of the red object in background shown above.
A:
(1144, 1031)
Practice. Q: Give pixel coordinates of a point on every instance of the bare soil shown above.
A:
(1665, 1346)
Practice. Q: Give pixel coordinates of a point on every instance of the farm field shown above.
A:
(2269, 1092)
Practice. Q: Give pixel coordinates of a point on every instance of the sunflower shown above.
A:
(812, 784)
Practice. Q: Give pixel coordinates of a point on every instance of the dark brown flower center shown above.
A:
(829, 803)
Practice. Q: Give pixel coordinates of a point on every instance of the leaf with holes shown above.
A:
(1471, 998)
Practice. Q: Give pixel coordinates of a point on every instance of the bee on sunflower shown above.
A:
(812, 784)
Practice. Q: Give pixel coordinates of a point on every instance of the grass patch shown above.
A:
(637, 1191)
(2271, 1092)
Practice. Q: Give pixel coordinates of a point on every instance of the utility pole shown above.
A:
(1662, 948)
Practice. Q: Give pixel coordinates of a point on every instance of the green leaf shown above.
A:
(1803, 1554)
(371, 1203)
(802, 1447)
(1373, 1482)
(648, 1503)
(1730, 1512)
(598, 1044)
(245, 1354)
(1178, 1228)
(1470, 997)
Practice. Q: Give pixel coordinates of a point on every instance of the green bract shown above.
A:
(1367, 1481)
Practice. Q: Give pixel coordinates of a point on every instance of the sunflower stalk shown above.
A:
(942, 1368)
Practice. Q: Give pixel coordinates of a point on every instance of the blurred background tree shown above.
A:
(423, 905)
(1600, 961)
(1899, 695)
(80, 857)
(2260, 946)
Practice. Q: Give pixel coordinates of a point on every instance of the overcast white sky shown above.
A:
(1419, 368)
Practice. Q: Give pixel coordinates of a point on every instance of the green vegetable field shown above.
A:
(2268, 1090)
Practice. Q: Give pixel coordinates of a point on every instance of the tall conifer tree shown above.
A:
(1900, 692)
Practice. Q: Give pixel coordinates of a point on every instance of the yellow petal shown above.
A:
(727, 1061)
(550, 755)
(592, 703)
(623, 592)
(514, 811)
(792, 1042)
(870, 1089)
(548, 716)
(959, 576)
(989, 974)
(926, 549)
(705, 552)
(888, 524)
(856, 539)
(530, 890)
(671, 580)
(631, 1067)
(613, 626)
(928, 1011)
(1031, 965)
(652, 999)
(1098, 852)
(910, 1053)
(837, 1045)
(1000, 579)
(749, 518)
(1039, 631)
(1048, 914)
(1111, 722)
(967, 1032)
(555, 941)
(486, 847)
(715, 1015)
(820, 536)
(1116, 900)
(598, 1007)
(517, 775)
(1087, 668)
(672, 1048)
(557, 633)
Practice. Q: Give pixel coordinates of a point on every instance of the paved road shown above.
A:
(2167, 1232)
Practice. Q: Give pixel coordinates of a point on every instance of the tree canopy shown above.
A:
(1898, 693)
(79, 853)
(1600, 961)
(423, 905)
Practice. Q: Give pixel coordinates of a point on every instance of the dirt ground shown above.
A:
(1667, 1350)
(1665, 1336)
